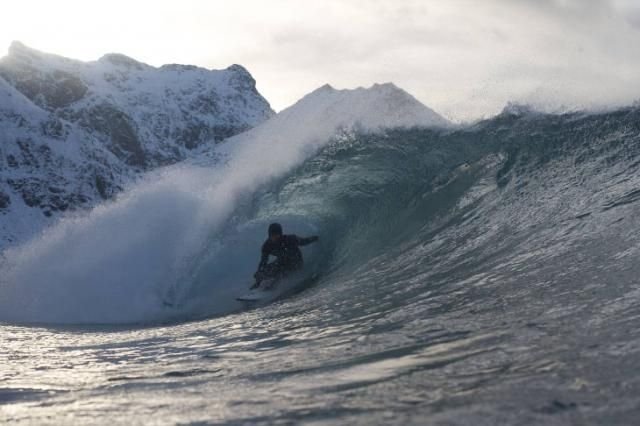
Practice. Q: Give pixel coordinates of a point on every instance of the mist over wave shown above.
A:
(122, 261)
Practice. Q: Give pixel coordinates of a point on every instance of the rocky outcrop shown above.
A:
(5, 200)
(121, 135)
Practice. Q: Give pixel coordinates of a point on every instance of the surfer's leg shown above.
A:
(271, 270)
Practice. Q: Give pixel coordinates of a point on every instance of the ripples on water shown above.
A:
(484, 276)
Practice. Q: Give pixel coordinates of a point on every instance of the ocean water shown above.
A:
(481, 275)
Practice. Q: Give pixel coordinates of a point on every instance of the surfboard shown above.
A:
(252, 296)
(259, 293)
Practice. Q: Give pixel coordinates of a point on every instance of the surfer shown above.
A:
(286, 250)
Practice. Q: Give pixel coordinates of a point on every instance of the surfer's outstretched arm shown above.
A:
(304, 241)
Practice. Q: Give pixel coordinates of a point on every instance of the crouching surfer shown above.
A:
(286, 250)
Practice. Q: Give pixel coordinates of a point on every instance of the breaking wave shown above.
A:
(521, 203)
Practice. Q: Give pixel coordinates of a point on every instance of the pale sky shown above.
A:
(464, 58)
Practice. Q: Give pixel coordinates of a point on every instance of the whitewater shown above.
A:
(480, 274)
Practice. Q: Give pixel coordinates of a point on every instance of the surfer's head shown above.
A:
(275, 231)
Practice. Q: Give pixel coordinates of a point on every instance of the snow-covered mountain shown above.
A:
(326, 111)
(73, 133)
(146, 116)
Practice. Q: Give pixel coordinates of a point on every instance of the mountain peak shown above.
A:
(17, 48)
(238, 68)
(390, 89)
(119, 59)
(385, 86)
(378, 106)
(20, 54)
(327, 87)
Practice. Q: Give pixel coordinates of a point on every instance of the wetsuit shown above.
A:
(288, 256)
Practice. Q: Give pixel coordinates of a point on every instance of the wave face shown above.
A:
(518, 206)
(519, 188)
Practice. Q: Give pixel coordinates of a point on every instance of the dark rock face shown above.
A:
(223, 132)
(115, 124)
(39, 186)
(5, 200)
(38, 193)
(58, 89)
(104, 187)
(12, 162)
(55, 129)
(206, 103)
(193, 135)
(241, 78)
